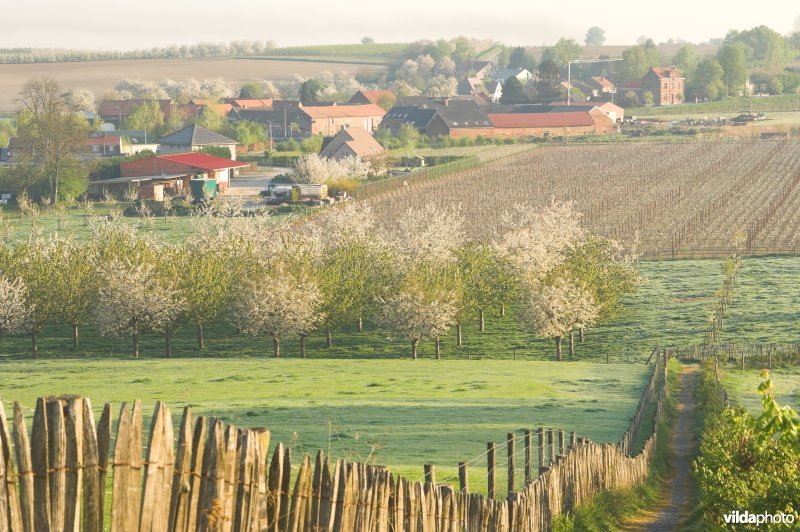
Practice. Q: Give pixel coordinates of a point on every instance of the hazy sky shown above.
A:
(146, 23)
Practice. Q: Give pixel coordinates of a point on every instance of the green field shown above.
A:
(378, 52)
(784, 102)
(742, 387)
(398, 413)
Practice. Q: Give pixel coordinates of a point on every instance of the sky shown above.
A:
(92, 24)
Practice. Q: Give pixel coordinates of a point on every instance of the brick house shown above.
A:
(329, 119)
(666, 84)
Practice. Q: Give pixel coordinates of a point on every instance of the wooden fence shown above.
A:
(741, 355)
(65, 476)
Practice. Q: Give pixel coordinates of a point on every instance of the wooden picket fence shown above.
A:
(66, 475)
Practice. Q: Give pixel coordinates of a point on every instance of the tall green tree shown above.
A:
(636, 61)
(513, 91)
(563, 51)
(708, 79)
(595, 36)
(686, 59)
(54, 128)
(732, 59)
(311, 90)
(147, 116)
(521, 58)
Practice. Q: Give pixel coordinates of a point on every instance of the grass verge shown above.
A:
(609, 509)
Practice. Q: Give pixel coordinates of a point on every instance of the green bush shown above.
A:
(747, 463)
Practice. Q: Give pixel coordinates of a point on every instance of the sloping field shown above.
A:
(399, 413)
(681, 199)
(101, 76)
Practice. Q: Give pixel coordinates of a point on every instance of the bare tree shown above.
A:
(49, 119)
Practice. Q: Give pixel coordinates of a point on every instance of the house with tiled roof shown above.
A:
(384, 99)
(478, 69)
(666, 84)
(195, 138)
(329, 119)
(551, 124)
(186, 165)
(469, 86)
(446, 116)
(418, 117)
(351, 142)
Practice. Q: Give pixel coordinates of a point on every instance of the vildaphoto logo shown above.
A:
(747, 518)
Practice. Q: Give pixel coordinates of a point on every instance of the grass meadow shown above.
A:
(398, 413)
(742, 387)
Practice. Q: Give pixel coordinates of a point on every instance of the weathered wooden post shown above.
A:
(511, 446)
(463, 477)
(561, 441)
(490, 463)
(430, 473)
(551, 443)
(573, 439)
(541, 449)
(528, 441)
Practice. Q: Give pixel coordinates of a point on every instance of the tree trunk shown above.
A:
(360, 324)
(481, 321)
(414, 349)
(34, 345)
(437, 349)
(572, 344)
(168, 345)
(135, 339)
(503, 310)
(580, 334)
(458, 335)
(558, 349)
(302, 346)
(75, 335)
(276, 346)
(328, 339)
(201, 343)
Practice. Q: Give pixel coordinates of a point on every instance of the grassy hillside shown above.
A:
(784, 102)
(399, 413)
(742, 387)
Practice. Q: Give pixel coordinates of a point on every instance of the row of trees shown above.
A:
(203, 49)
(420, 278)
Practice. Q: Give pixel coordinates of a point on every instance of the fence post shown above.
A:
(562, 441)
(463, 477)
(490, 463)
(573, 439)
(528, 440)
(430, 473)
(541, 449)
(551, 443)
(511, 445)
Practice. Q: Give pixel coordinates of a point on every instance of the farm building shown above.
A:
(550, 124)
(329, 119)
(194, 138)
(350, 142)
(382, 98)
(184, 164)
(450, 117)
(417, 117)
(666, 84)
(613, 111)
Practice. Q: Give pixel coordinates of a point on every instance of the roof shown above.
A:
(357, 139)
(603, 82)
(464, 114)
(510, 72)
(375, 95)
(99, 141)
(343, 111)
(419, 117)
(125, 107)
(195, 135)
(522, 120)
(250, 103)
(667, 72)
(200, 161)
(633, 84)
(136, 178)
(606, 107)
(491, 87)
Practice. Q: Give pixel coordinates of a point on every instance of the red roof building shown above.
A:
(666, 84)
(555, 124)
(187, 164)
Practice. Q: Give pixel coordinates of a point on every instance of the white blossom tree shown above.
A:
(311, 168)
(13, 307)
(416, 311)
(278, 304)
(554, 309)
(134, 299)
(427, 233)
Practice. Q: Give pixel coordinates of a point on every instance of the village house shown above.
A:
(478, 69)
(418, 117)
(600, 87)
(522, 74)
(666, 84)
(351, 142)
(195, 138)
(448, 116)
(329, 119)
(384, 99)
(494, 91)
